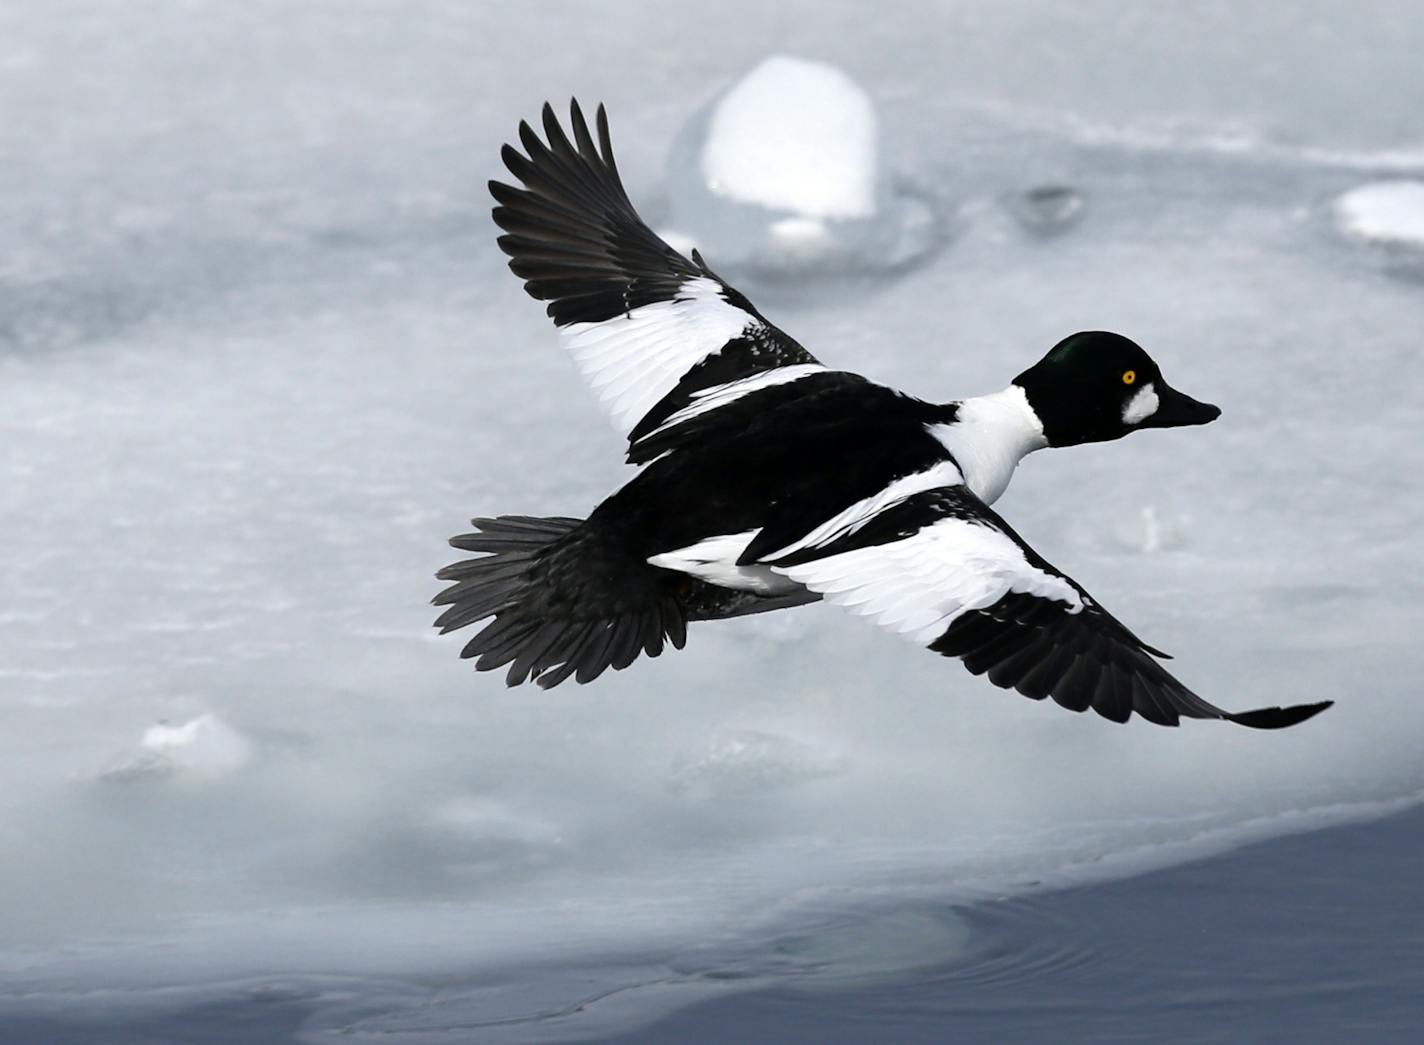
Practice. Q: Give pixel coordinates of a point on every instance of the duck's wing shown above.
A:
(943, 569)
(659, 336)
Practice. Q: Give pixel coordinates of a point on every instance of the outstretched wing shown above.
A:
(660, 337)
(943, 569)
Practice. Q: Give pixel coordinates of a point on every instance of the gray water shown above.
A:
(1313, 938)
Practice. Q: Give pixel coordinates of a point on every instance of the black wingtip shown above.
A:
(1278, 718)
(510, 157)
(605, 140)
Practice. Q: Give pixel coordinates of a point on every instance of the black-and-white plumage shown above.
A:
(653, 332)
(771, 480)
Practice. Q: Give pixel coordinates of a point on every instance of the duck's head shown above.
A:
(1095, 386)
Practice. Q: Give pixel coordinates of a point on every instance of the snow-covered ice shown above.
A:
(795, 136)
(785, 171)
(260, 357)
(203, 746)
(1384, 212)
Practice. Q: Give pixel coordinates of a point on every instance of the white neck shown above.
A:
(989, 437)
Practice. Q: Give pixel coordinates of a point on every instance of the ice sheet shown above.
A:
(261, 356)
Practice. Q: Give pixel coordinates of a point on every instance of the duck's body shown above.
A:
(771, 480)
(791, 467)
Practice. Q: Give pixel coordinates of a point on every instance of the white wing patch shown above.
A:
(920, 585)
(720, 395)
(714, 560)
(634, 359)
(852, 518)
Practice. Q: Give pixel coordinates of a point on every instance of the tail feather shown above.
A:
(511, 533)
(596, 660)
(498, 643)
(566, 600)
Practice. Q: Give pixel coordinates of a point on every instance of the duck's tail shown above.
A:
(566, 599)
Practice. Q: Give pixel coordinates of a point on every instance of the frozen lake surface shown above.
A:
(259, 357)
(1301, 939)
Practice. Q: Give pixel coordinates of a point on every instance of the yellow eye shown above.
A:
(1129, 376)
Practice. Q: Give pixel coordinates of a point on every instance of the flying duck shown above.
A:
(770, 480)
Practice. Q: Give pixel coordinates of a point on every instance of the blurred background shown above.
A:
(260, 357)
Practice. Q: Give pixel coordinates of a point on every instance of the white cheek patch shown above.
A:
(1141, 406)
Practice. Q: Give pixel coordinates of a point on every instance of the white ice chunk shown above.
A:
(205, 745)
(1383, 212)
(798, 136)
(783, 170)
(801, 236)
